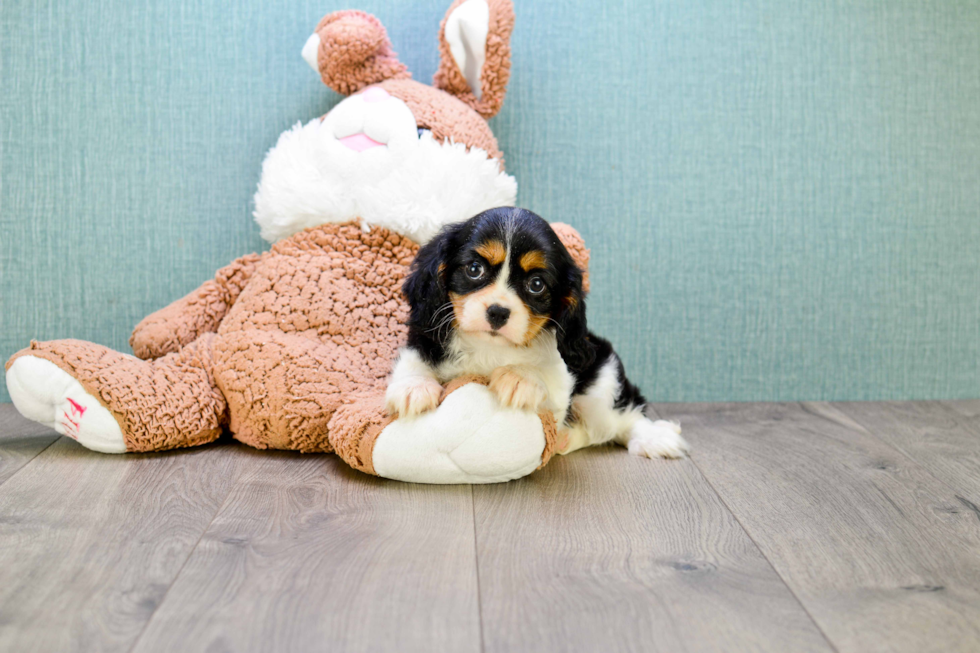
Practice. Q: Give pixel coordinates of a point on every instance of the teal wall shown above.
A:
(782, 197)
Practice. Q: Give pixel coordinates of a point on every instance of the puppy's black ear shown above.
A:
(425, 288)
(574, 345)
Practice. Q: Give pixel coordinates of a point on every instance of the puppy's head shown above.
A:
(503, 276)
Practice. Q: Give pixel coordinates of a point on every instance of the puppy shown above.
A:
(500, 296)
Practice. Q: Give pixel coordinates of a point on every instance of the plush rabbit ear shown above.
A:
(351, 50)
(474, 49)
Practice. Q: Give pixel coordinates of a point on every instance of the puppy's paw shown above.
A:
(412, 396)
(660, 439)
(517, 390)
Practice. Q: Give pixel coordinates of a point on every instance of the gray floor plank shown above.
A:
(968, 408)
(932, 434)
(603, 551)
(20, 440)
(89, 542)
(874, 546)
(309, 555)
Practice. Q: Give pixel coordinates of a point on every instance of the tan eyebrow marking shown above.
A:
(493, 251)
(532, 260)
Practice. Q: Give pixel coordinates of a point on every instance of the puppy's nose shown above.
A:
(497, 316)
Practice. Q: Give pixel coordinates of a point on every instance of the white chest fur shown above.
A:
(482, 353)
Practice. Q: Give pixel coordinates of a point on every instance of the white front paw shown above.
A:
(516, 390)
(660, 439)
(412, 395)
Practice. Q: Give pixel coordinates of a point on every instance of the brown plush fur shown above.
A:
(355, 52)
(446, 115)
(201, 311)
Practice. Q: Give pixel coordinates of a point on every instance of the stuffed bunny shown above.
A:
(291, 349)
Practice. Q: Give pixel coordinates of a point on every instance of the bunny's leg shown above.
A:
(116, 403)
(283, 388)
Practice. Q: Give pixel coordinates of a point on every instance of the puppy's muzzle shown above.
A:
(497, 316)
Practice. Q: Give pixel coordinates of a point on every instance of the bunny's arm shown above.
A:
(576, 247)
(201, 311)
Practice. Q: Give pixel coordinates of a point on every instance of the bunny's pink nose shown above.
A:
(375, 94)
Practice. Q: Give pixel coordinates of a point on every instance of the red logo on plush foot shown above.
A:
(71, 427)
(76, 408)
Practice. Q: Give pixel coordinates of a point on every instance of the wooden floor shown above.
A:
(794, 527)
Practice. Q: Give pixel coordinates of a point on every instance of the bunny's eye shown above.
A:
(422, 131)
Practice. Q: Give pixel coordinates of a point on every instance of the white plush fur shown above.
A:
(310, 52)
(413, 185)
(45, 393)
(466, 33)
(470, 439)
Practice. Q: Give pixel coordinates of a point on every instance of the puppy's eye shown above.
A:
(535, 285)
(475, 270)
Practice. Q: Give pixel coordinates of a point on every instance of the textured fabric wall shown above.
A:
(782, 197)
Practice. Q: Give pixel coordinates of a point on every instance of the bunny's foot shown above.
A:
(45, 393)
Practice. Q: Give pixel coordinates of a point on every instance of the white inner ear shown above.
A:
(466, 33)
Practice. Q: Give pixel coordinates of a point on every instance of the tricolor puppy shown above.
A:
(500, 296)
